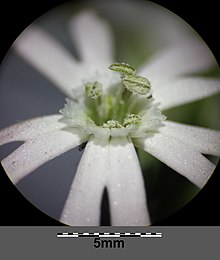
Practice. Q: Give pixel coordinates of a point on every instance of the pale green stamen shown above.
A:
(125, 109)
(132, 119)
(136, 84)
(123, 68)
(112, 124)
(94, 90)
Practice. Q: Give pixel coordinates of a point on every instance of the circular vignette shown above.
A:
(49, 96)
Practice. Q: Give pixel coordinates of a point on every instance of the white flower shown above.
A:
(109, 158)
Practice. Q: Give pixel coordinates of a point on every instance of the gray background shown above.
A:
(176, 243)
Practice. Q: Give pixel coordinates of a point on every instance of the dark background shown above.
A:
(15, 16)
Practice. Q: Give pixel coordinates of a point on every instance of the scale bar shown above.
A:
(86, 234)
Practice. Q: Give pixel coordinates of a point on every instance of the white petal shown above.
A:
(84, 201)
(189, 57)
(203, 140)
(116, 166)
(35, 152)
(179, 156)
(125, 185)
(30, 129)
(48, 56)
(93, 38)
(185, 90)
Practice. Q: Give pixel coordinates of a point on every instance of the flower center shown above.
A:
(126, 108)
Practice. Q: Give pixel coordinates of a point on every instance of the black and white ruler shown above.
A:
(117, 234)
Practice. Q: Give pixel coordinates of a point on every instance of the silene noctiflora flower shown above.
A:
(111, 108)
